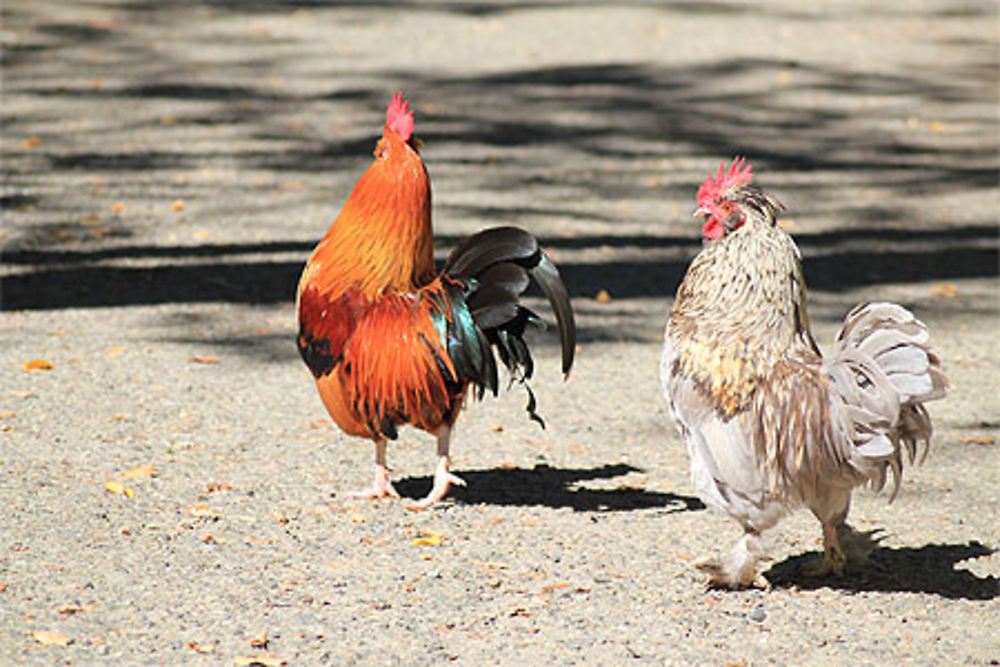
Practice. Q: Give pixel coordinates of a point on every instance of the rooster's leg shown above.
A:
(834, 558)
(843, 548)
(443, 479)
(739, 568)
(381, 487)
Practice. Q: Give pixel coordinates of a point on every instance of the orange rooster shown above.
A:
(391, 342)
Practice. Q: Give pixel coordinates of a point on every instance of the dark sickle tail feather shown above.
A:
(496, 265)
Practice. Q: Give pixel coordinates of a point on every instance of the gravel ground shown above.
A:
(168, 166)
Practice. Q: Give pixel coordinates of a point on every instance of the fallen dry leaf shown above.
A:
(49, 638)
(117, 487)
(115, 350)
(260, 641)
(428, 538)
(265, 659)
(519, 611)
(72, 609)
(978, 440)
(177, 206)
(218, 486)
(37, 365)
(201, 234)
(140, 472)
(118, 207)
(945, 290)
(551, 588)
(32, 143)
(6, 414)
(603, 296)
(204, 360)
(200, 648)
(201, 510)
(3, 586)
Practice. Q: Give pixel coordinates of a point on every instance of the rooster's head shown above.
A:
(398, 143)
(719, 199)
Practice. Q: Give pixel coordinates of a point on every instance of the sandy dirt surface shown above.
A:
(168, 166)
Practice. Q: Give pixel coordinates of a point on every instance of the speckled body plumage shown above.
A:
(769, 423)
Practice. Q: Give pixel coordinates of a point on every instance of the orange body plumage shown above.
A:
(390, 342)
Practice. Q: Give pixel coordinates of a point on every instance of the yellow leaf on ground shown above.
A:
(31, 143)
(428, 538)
(603, 296)
(177, 206)
(201, 510)
(50, 638)
(200, 648)
(551, 588)
(114, 486)
(140, 472)
(118, 207)
(945, 290)
(204, 360)
(37, 365)
(978, 440)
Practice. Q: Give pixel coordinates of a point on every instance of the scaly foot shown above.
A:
(443, 479)
(380, 488)
(739, 568)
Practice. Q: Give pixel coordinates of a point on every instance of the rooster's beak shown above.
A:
(701, 210)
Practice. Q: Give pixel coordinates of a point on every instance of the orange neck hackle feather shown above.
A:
(382, 239)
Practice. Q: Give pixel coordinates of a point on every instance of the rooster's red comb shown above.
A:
(739, 173)
(399, 118)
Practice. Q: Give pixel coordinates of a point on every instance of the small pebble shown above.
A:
(758, 615)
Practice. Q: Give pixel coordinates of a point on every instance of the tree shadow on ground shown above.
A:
(80, 279)
(927, 569)
(635, 125)
(545, 486)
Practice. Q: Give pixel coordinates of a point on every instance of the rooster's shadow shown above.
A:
(927, 569)
(557, 488)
